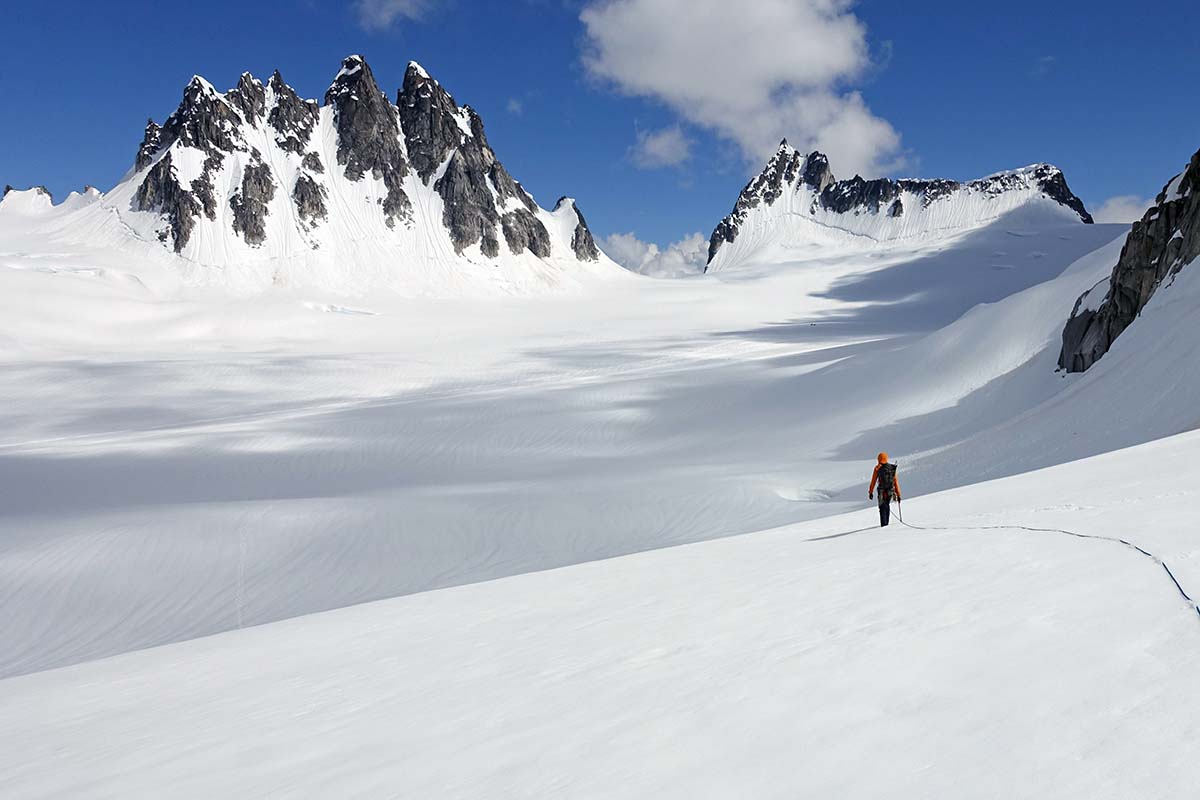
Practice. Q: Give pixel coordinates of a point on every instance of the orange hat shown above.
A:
(883, 458)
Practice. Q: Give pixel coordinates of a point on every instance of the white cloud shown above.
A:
(668, 147)
(685, 257)
(515, 106)
(753, 72)
(1124, 208)
(380, 14)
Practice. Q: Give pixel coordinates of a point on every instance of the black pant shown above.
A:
(885, 510)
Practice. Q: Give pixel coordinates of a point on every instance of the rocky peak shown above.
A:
(204, 120)
(369, 134)
(582, 241)
(248, 97)
(433, 124)
(292, 118)
(1164, 241)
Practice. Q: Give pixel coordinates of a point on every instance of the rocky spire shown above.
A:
(1165, 240)
(248, 97)
(582, 241)
(369, 134)
(204, 120)
(151, 139)
(432, 122)
(765, 189)
(291, 118)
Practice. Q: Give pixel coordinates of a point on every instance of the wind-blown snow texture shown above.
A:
(965, 662)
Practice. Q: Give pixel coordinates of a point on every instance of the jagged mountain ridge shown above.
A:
(423, 129)
(801, 186)
(257, 186)
(1165, 240)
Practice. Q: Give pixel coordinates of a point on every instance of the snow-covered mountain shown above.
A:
(796, 203)
(1165, 240)
(256, 187)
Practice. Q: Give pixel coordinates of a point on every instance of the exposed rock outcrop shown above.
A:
(468, 209)
(1165, 240)
(151, 140)
(433, 124)
(312, 163)
(309, 197)
(523, 231)
(582, 241)
(249, 97)
(249, 203)
(369, 134)
(292, 118)
(160, 192)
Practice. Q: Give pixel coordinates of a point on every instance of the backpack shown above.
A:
(887, 480)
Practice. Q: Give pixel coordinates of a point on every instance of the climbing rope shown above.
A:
(1146, 553)
(1118, 540)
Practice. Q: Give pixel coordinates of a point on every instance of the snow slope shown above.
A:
(827, 659)
(178, 463)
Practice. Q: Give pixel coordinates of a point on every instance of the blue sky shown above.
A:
(651, 112)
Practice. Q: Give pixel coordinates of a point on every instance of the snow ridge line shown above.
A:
(1179, 587)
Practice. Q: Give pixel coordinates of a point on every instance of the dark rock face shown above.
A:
(523, 231)
(312, 163)
(249, 203)
(291, 118)
(469, 211)
(475, 186)
(203, 121)
(161, 192)
(369, 134)
(582, 242)
(151, 140)
(429, 117)
(858, 195)
(1164, 241)
(309, 197)
(248, 97)
(202, 187)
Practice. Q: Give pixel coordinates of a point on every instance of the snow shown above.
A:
(350, 514)
(1172, 190)
(462, 439)
(796, 222)
(960, 662)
